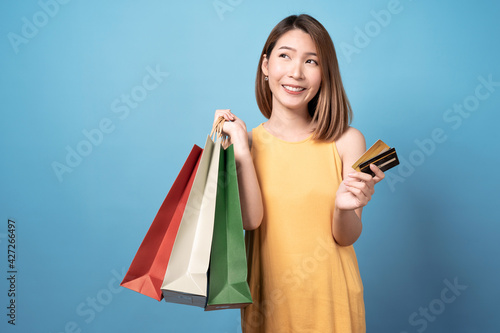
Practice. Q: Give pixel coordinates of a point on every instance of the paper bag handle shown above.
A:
(217, 130)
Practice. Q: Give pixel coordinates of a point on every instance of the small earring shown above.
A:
(266, 78)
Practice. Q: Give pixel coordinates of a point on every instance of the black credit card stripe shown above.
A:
(374, 161)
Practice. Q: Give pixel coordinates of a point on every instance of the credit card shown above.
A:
(384, 161)
(377, 148)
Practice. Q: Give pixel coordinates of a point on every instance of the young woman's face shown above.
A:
(293, 70)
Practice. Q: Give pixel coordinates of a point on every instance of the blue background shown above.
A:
(433, 219)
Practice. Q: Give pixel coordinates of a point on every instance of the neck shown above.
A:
(292, 125)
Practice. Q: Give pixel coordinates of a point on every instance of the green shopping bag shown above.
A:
(227, 280)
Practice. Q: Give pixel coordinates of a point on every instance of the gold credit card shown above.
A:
(376, 149)
(384, 161)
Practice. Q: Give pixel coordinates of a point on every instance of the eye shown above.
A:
(283, 55)
(311, 61)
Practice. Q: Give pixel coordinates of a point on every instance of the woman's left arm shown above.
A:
(355, 190)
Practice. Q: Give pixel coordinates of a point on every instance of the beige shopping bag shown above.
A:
(185, 280)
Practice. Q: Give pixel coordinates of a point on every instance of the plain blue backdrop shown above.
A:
(102, 101)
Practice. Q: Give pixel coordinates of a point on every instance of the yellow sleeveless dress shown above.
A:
(301, 280)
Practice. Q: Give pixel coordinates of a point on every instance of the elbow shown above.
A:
(254, 221)
(344, 243)
(347, 240)
(250, 227)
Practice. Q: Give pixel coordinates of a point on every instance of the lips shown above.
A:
(293, 89)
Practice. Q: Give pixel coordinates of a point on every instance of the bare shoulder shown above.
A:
(352, 142)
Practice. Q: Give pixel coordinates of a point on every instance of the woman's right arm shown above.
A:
(252, 209)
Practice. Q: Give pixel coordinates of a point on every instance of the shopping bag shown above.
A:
(185, 280)
(148, 267)
(227, 280)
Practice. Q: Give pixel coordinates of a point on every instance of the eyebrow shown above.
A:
(292, 49)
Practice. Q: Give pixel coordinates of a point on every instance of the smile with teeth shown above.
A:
(296, 89)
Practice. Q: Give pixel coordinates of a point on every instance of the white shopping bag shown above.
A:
(185, 280)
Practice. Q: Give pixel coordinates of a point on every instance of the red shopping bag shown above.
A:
(148, 268)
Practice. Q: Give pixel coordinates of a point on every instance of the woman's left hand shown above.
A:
(357, 189)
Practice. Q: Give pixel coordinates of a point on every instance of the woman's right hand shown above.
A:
(235, 128)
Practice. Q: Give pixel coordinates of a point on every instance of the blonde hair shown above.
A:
(330, 109)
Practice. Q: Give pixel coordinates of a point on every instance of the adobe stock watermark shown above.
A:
(454, 116)
(373, 28)
(31, 26)
(87, 310)
(223, 6)
(121, 107)
(291, 279)
(420, 319)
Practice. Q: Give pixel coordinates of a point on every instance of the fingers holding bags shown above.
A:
(226, 113)
(233, 127)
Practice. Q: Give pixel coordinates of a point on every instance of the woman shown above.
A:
(301, 200)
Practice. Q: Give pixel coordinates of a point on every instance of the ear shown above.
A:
(265, 64)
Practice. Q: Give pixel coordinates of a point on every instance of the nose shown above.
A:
(296, 70)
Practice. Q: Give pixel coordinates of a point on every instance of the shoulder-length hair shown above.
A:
(330, 109)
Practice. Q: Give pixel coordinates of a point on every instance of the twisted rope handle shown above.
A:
(217, 131)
